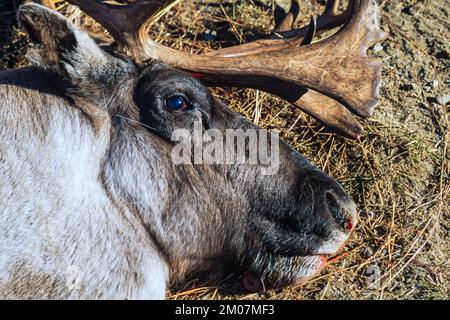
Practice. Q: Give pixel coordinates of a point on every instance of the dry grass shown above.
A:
(398, 173)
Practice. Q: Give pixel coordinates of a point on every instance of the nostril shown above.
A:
(339, 212)
(348, 225)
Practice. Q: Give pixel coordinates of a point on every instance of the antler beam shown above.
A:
(337, 67)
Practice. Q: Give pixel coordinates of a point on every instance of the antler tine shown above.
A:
(286, 22)
(125, 23)
(48, 3)
(285, 36)
(332, 7)
(328, 20)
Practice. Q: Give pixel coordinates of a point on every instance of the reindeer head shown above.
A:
(281, 226)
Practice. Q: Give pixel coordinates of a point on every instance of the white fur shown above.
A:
(55, 214)
(330, 247)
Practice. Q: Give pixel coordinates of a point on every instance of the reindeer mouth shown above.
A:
(308, 268)
(303, 269)
(315, 265)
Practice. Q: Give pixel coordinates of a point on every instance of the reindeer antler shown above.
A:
(322, 78)
(127, 24)
(323, 108)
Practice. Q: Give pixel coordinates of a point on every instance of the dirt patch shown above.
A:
(398, 173)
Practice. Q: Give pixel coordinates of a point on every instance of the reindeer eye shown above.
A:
(177, 103)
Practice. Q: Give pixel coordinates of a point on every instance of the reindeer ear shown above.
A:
(60, 45)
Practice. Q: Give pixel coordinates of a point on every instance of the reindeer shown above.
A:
(92, 205)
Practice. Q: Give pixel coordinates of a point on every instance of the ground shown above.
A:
(398, 173)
